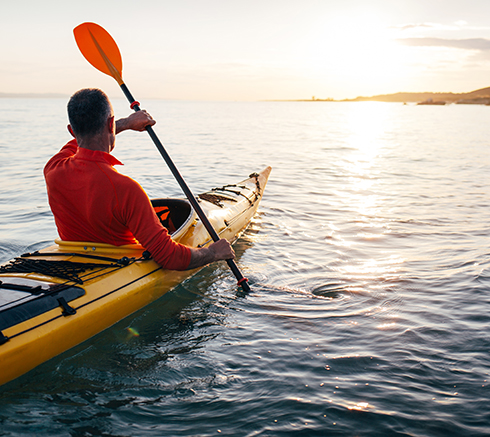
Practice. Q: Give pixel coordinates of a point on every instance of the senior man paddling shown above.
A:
(91, 201)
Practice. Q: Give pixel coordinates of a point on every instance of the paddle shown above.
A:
(100, 49)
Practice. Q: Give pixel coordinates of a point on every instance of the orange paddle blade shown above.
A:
(100, 49)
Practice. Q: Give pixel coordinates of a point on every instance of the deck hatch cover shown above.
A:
(17, 306)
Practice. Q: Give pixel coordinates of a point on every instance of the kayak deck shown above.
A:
(60, 296)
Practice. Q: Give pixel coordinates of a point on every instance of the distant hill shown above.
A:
(32, 95)
(482, 95)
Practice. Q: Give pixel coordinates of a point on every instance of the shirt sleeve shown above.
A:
(138, 214)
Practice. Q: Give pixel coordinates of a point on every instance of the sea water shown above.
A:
(368, 259)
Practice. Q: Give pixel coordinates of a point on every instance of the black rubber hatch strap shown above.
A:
(3, 339)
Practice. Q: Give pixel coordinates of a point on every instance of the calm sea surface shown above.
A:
(369, 261)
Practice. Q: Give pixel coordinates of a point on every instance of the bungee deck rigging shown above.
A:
(68, 270)
(216, 196)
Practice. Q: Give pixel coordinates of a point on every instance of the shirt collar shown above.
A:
(96, 156)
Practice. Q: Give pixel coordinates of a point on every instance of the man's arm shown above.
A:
(136, 121)
(217, 251)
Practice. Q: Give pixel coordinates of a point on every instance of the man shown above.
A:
(92, 202)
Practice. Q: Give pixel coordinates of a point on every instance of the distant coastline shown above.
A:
(480, 96)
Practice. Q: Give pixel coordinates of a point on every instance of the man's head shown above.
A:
(88, 111)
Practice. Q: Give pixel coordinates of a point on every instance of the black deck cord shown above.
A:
(238, 193)
(123, 261)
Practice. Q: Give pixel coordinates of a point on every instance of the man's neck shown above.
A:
(96, 143)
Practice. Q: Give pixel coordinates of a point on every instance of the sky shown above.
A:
(249, 50)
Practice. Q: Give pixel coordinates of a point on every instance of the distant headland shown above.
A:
(481, 96)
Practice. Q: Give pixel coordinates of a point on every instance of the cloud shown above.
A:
(478, 44)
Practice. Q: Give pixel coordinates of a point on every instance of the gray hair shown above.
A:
(88, 110)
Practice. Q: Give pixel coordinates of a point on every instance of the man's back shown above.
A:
(91, 201)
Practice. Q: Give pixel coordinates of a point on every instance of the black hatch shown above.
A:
(23, 299)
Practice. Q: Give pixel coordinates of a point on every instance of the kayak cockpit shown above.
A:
(174, 214)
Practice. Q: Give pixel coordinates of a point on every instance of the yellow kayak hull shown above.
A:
(114, 292)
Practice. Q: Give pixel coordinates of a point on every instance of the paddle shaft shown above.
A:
(242, 281)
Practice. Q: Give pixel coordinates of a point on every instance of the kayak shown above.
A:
(56, 298)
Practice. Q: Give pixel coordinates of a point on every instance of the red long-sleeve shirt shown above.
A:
(92, 202)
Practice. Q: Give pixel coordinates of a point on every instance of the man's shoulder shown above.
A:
(67, 151)
(126, 184)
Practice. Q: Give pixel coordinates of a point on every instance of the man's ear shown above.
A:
(70, 130)
(110, 123)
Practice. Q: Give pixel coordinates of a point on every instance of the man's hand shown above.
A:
(136, 121)
(220, 250)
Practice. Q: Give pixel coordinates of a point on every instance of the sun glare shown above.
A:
(361, 52)
(367, 124)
